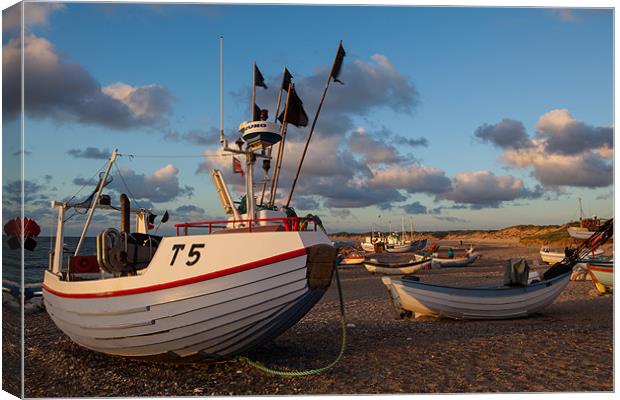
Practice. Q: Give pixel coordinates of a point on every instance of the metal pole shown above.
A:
(280, 155)
(270, 149)
(279, 98)
(249, 195)
(253, 91)
(303, 155)
(222, 138)
(93, 203)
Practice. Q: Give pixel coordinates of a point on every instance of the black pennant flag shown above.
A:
(338, 63)
(256, 112)
(286, 79)
(296, 114)
(258, 78)
(165, 217)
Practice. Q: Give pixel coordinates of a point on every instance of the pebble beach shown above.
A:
(566, 347)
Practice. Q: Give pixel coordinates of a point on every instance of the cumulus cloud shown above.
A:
(485, 189)
(160, 186)
(197, 136)
(35, 14)
(374, 150)
(413, 178)
(563, 134)
(506, 134)
(587, 169)
(564, 151)
(415, 208)
(65, 91)
(90, 152)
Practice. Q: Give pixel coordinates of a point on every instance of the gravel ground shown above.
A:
(567, 347)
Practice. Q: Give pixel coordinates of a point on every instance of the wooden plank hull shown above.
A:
(579, 233)
(403, 269)
(217, 311)
(455, 262)
(603, 272)
(474, 303)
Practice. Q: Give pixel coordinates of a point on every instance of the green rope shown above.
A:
(343, 346)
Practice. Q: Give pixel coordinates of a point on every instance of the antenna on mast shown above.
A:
(222, 138)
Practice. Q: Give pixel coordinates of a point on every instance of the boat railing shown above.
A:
(289, 224)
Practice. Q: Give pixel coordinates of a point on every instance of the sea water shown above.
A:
(36, 262)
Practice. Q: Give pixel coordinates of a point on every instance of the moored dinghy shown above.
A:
(239, 283)
(402, 268)
(411, 297)
(463, 260)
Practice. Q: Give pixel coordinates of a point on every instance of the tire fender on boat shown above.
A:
(320, 266)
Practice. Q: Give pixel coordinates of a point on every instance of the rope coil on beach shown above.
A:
(343, 345)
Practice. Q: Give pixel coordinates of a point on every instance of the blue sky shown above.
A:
(411, 73)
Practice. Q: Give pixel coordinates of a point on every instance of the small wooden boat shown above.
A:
(579, 232)
(410, 267)
(501, 302)
(469, 257)
(353, 259)
(524, 292)
(368, 247)
(603, 274)
(587, 226)
(552, 257)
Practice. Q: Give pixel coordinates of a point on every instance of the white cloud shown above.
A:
(65, 91)
(485, 189)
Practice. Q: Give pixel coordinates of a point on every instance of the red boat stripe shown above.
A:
(194, 279)
(601, 269)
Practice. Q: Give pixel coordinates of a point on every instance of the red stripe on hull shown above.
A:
(188, 281)
(601, 269)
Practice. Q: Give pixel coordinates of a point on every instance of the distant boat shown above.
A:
(500, 302)
(587, 226)
(603, 272)
(368, 247)
(469, 257)
(352, 260)
(408, 247)
(403, 268)
(552, 257)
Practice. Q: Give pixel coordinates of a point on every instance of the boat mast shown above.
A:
(222, 138)
(580, 210)
(411, 229)
(402, 229)
(93, 203)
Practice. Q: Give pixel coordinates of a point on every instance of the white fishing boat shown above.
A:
(236, 284)
(368, 247)
(551, 257)
(403, 268)
(444, 260)
(500, 302)
(407, 247)
(587, 226)
(524, 292)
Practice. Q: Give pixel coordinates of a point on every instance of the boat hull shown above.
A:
(368, 247)
(604, 275)
(455, 262)
(579, 233)
(215, 308)
(422, 299)
(352, 261)
(552, 257)
(376, 268)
